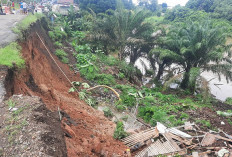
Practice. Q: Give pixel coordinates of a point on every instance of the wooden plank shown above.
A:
(223, 138)
(187, 142)
(141, 138)
(137, 135)
(161, 147)
(169, 139)
(195, 154)
(168, 147)
(209, 139)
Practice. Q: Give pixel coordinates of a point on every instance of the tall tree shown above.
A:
(198, 45)
(101, 6)
(201, 5)
(222, 9)
(178, 12)
(164, 7)
(98, 6)
(152, 5)
(128, 4)
(124, 30)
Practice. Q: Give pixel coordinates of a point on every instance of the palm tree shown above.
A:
(198, 45)
(122, 29)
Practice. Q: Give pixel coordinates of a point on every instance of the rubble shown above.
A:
(187, 140)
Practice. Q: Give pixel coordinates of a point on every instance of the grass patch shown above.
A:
(15, 122)
(205, 123)
(11, 54)
(229, 101)
(25, 23)
(11, 104)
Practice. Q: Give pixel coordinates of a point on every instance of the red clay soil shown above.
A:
(92, 134)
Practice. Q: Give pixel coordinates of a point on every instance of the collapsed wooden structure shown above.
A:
(161, 140)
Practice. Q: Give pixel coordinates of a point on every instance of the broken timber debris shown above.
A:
(161, 140)
(136, 140)
(209, 139)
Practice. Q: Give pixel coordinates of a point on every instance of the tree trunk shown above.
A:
(133, 59)
(133, 56)
(105, 50)
(160, 71)
(185, 81)
(120, 53)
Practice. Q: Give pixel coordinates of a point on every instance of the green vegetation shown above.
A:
(11, 104)
(107, 112)
(25, 23)
(62, 56)
(15, 122)
(217, 9)
(228, 113)
(205, 123)
(57, 34)
(207, 44)
(154, 20)
(102, 6)
(229, 101)
(179, 46)
(10, 55)
(229, 121)
(119, 132)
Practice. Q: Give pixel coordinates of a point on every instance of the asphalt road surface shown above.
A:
(7, 22)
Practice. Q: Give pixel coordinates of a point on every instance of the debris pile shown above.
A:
(187, 140)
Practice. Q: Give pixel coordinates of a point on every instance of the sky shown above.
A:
(170, 3)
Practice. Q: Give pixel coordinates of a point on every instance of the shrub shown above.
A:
(83, 48)
(108, 60)
(105, 79)
(119, 132)
(128, 70)
(173, 121)
(65, 60)
(128, 100)
(107, 112)
(58, 44)
(84, 59)
(88, 71)
(121, 76)
(57, 34)
(153, 114)
(120, 107)
(125, 88)
(62, 55)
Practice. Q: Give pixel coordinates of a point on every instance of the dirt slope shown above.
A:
(91, 132)
(30, 129)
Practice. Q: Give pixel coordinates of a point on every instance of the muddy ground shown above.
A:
(88, 132)
(28, 128)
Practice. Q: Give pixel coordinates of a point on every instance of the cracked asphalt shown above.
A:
(7, 22)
